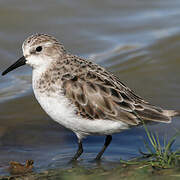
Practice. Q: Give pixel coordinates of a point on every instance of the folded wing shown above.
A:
(99, 97)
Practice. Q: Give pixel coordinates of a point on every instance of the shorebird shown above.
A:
(81, 95)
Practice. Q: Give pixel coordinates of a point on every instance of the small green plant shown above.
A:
(161, 155)
(158, 155)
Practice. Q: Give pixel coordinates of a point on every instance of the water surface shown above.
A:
(137, 40)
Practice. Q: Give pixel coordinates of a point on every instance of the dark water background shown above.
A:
(138, 40)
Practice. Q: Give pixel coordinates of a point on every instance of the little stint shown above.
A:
(81, 95)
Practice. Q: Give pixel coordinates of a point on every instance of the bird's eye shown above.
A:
(39, 49)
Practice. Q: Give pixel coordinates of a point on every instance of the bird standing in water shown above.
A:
(81, 95)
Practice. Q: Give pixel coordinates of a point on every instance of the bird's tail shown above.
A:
(171, 113)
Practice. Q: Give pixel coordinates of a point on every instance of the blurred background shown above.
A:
(137, 40)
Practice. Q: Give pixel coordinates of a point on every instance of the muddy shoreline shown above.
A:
(121, 171)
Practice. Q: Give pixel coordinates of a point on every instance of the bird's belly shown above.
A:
(63, 112)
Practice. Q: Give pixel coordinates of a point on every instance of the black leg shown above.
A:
(79, 151)
(106, 144)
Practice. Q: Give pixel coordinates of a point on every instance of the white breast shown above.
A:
(60, 109)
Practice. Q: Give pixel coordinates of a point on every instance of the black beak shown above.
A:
(18, 63)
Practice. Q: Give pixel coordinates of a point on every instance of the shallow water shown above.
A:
(136, 40)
